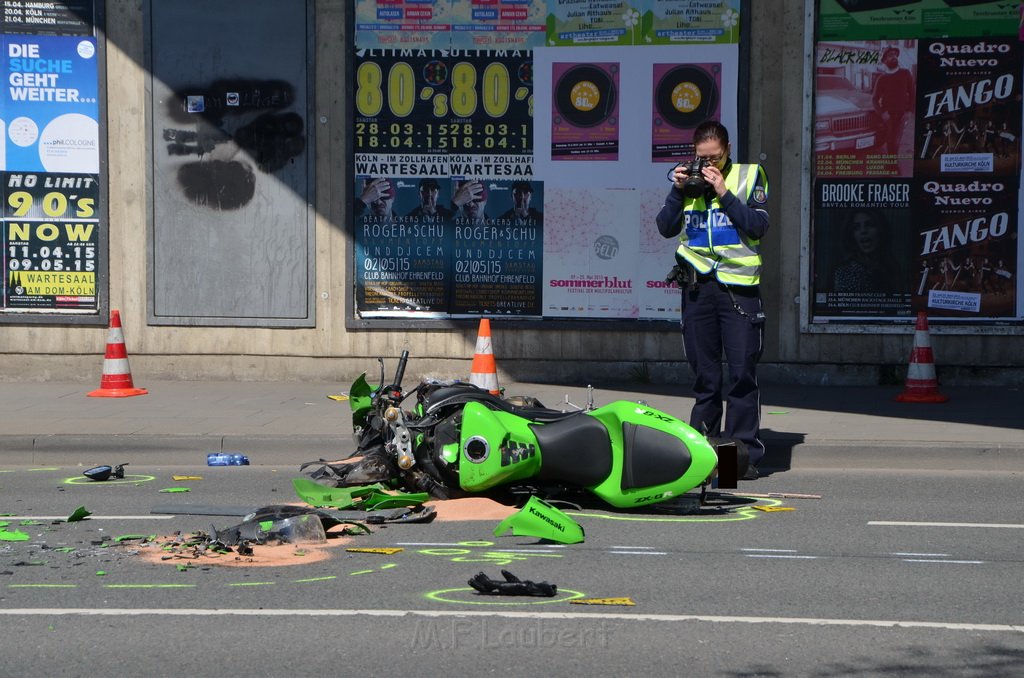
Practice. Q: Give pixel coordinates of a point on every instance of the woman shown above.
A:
(869, 265)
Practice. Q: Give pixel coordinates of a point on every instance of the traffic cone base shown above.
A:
(484, 373)
(921, 385)
(116, 381)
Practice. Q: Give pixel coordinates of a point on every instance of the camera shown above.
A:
(695, 184)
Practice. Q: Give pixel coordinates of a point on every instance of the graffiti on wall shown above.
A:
(229, 130)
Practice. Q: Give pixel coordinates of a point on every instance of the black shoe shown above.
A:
(751, 473)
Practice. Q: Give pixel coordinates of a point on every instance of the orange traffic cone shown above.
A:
(921, 386)
(484, 372)
(116, 381)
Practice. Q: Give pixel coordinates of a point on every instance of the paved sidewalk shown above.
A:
(287, 423)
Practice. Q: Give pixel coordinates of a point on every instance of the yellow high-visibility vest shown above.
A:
(711, 243)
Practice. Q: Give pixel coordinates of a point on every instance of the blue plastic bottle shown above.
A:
(225, 459)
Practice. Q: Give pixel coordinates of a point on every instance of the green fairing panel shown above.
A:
(360, 399)
(503, 449)
(704, 459)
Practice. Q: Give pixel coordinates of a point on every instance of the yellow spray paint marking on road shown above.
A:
(603, 601)
(469, 596)
(82, 480)
(149, 586)
(386, 550)
(489, 557)
(741, 513)
(314, 579)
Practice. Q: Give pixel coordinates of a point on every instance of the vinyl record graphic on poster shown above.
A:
(966, 246)
(684, 97)
(862, 248)
(969, 108)
(585, 124)
(864, 109)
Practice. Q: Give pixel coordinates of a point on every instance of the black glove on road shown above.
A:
(512, 586)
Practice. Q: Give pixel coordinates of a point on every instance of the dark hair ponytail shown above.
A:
(709, 130)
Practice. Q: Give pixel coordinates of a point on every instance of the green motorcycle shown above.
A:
(456, 439)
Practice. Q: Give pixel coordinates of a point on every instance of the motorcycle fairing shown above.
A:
(360, 400)
(497, 447)
(651, 457)
(512, 452)
(622, 487)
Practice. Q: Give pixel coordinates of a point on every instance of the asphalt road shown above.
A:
(908, 573)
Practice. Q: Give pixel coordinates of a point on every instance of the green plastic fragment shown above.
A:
(13, 535)
(168, 490)
(101, 573)
(127, 537)
(542, 520)
(354, 527)
(315, 494)
(380, 500)
(80, 513)
(368, 497)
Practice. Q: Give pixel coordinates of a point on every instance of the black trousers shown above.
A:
(712, 324)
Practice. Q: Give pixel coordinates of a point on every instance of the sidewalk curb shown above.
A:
(895, 455)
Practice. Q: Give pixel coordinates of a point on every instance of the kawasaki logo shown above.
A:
(553, 523)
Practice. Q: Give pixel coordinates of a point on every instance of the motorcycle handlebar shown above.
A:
(400, 371)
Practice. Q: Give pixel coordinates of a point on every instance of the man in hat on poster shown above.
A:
(893, 99)
(429, 190)
(521, 211)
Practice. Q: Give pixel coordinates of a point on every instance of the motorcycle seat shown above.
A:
(576, 450)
